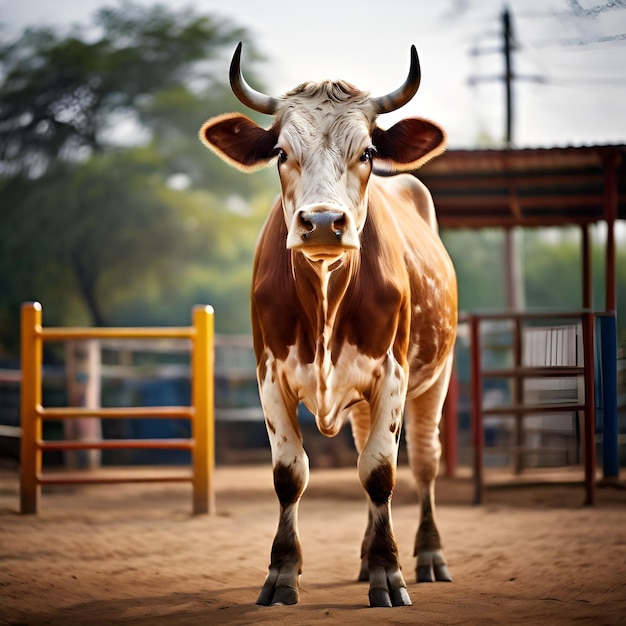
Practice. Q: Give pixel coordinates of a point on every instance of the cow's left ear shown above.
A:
(408, 144)
(239, 141)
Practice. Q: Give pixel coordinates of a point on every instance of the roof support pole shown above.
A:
(611, 200)
(608, 334)
(514, 275)
(587, 274)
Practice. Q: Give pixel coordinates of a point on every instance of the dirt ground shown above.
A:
(134, 554)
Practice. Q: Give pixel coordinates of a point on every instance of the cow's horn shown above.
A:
(399, 97)
(248, 96)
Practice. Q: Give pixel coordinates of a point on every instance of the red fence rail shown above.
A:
(518, 373)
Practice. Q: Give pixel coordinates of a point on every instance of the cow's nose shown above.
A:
(322, 229)
(322, 226)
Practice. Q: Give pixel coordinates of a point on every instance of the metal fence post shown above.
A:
(589, 425)
(203, 420)
(477, 404)
(608, 367)
(30, 401)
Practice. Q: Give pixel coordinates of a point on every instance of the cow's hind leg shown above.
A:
(360, 422)
(377, 472)
(424, 448)
(291, 473)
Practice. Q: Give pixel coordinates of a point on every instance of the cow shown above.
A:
(354, 307)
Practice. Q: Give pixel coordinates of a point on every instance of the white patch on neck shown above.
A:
(325, 367)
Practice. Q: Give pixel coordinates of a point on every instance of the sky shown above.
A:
(569, 61)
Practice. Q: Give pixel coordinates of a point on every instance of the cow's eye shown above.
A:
(282, 155)
(368, 155)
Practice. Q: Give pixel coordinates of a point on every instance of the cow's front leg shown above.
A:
(291, 474)
(377, 472)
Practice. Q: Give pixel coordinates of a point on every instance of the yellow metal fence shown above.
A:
(201, 412)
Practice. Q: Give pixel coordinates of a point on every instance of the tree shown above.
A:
(107, 242)
(61, 94)
(89, 224)
(78, 225)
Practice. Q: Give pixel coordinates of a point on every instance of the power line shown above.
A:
(579, 81)
(579, 41)
(609, 5)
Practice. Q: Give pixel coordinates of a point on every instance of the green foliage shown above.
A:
(79, 229)
(477, 257)
(551, 269)
(106, 242)
(60, 93)
(88, 223)
(557, 264)
(213, 266)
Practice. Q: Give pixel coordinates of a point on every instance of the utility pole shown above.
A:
(507, 34)
(513, 278)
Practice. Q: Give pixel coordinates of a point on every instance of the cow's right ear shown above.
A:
(239, 141)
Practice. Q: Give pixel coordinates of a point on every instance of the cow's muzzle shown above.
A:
(323, 229)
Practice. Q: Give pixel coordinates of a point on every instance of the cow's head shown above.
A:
(327, 144)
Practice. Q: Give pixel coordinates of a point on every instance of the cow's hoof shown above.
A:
(379, 597)
(432, 567)
(433, 573)
(384, 598)
(400, 597)
(276, 596)
(387, 587)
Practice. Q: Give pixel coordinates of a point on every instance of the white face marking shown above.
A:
(324, 136)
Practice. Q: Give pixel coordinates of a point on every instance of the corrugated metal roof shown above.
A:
(528, 187)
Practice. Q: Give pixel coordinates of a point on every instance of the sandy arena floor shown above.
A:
(134, 554)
